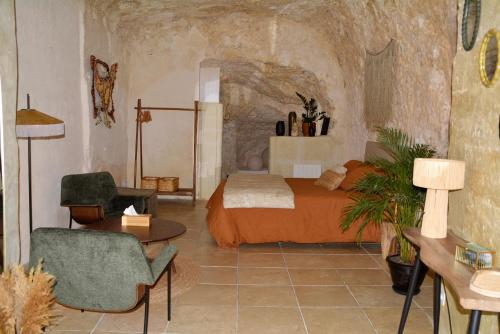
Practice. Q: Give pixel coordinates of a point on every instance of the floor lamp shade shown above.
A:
(31, 123)
(438, 176)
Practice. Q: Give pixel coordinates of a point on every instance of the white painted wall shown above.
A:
(168, 138)
(106, 149)
(9, 149)
(50, 55)
(55, 40)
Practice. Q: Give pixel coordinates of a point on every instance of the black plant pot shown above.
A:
(280, 128)
(401, 274)
(324, 127)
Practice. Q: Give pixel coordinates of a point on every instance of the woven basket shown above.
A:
(170, 184)
(149, 182)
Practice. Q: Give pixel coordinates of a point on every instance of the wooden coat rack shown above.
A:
(191, 192)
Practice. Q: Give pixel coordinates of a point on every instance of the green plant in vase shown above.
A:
(390, 196)
(311, 114)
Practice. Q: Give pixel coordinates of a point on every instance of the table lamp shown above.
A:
(438, 176)
(31, 123)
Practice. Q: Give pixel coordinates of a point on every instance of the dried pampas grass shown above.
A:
(28, 300)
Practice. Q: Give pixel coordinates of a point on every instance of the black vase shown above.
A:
(324, 127)
(312, 129)
(280, 128)
(292, 118)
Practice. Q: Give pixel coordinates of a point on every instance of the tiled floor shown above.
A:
(272, 288)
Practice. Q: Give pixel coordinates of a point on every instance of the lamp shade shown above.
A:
(33, 123)
(439, 174)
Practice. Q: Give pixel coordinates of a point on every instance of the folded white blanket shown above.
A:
(257, 191)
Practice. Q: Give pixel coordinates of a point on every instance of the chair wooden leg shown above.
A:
(169, 297)
(146, 309)
(70, 221)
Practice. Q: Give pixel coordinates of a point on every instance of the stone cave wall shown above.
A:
(474, 128)
(255, 96)
(263, 46)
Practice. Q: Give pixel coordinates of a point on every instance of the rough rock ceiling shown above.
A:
(341, 18)
(126, 13)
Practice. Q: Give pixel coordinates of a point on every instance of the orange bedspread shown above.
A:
(316, 218)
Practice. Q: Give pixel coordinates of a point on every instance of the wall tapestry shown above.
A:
(379, 73)
(103, 83)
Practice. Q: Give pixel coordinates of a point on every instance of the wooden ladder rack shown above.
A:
(191, 192)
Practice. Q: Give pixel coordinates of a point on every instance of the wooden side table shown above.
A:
(439, 255)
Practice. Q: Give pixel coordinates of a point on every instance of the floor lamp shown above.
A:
(31, 123)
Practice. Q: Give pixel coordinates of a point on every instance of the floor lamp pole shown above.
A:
(29, 174)
(29, 184)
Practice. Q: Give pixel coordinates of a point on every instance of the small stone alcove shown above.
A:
(256, 95)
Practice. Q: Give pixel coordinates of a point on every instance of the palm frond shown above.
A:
(390, 196)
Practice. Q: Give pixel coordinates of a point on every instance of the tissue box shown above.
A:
(139, 220)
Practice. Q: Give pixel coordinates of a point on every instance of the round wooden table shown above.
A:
(159, 230)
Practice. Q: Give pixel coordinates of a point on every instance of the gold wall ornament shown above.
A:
(489, 61)
(103, 83)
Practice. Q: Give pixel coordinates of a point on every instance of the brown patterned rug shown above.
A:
(186, 275)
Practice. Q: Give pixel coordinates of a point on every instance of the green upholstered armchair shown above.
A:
(99, 271)
(91, 197)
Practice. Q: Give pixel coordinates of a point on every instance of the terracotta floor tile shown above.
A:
(270, 320)
(308, 261)
(341, 248)
(291, 247)
(429, 279)
(386, 321)
(134, 321)
(217, 258)
(205, 294)
(425, 297)
(377, 296)
(336, 321)
(196, 319)
(324, 296)
(267, 302)
(273, 247)
(266, 276)
(353, 261)
(70, 319)
(261, 260)
(217, 275)
(382, 263)
(278, 296)
(191, 233)
(372, 248)
(365, 277)
(315, 277)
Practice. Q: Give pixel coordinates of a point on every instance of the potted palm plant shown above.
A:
(389, 196)
(311, 115)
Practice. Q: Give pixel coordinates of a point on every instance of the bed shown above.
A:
(315, 219)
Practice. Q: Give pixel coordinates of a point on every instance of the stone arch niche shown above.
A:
(256, 95)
